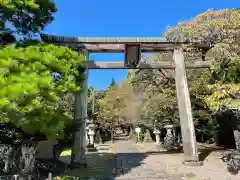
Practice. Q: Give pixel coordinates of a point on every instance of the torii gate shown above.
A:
(133, 47)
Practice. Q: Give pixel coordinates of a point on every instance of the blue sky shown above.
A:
(111, 18)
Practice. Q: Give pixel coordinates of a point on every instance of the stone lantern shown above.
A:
(157, 134)
(170, 141)
(170, 130)
(91, 133)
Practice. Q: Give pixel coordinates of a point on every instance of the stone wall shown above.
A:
(44, 150)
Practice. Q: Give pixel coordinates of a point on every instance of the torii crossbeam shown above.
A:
(133, 47)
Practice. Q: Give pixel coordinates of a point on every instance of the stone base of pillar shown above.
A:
(91, 148)
(193, 163)
(77, 165)
(159, 146)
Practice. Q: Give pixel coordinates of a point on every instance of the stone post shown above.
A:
(87, 129)
(91, 137)
(138, 130)
(157, 134)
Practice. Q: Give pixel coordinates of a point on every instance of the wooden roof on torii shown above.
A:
(131, 46)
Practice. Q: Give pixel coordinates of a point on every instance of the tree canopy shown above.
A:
(220, 29)
(30, 95)
(27, 16)
(37, 80)
(211, 90)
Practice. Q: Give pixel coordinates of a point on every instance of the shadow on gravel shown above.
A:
(103, 148)
(127, 162)
(104, 145)
(206, 151)
(104, 166)
(163, 152)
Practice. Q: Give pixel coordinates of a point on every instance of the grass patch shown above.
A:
(100, 165)
(66, 152)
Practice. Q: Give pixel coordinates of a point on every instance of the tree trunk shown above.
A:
(57, 149)
(18, 159)
(27, 159)
(235, 122)
(9, 158)
(237, 139)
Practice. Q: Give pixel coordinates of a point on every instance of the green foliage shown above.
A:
(115, 107)
(112, 84)
(99, 94)
(27, 16)
(30, 95)
(156, 89)
(210, 27)
(111, 107)
(6, 38)
(209, 88)
(161, 107)
(141, 136)
(224, 96)
(221, 29)
(66, 178)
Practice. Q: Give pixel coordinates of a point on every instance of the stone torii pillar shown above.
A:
(78, 157)
(185, 111)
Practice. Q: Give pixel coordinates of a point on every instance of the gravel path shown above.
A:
(131, 164)
(213, 168)
(123, 160)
